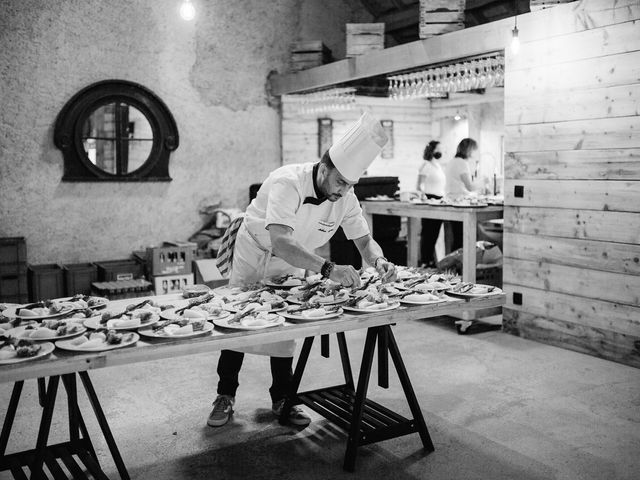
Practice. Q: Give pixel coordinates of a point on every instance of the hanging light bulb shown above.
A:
(187, 10)
(457, 117)
(515, 41)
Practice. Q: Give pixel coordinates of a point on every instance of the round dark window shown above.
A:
(116, 130)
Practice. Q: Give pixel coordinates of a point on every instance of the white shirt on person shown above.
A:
(455, 187)
(433, 178)
(281, 200)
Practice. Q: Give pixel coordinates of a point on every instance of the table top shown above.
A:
(410, 209)
(62, 362)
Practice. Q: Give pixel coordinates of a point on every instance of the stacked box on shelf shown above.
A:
(13, 270)
(78, 278)
(440, 16)
(45, 282)
(308, 54)
(169, 267)
(364, 38)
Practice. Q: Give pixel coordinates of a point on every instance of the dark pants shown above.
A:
(457, 235)
(429, 237)
(229, 366)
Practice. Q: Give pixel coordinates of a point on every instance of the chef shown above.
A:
(297, 209)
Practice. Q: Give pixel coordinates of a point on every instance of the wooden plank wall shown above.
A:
(411, 130)
(572, 240)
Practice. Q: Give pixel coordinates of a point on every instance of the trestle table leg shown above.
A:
(414, 406)
(344, 357)
(297, 378)
(45, 427)
(104, 425)
(11, 415)
(361, 394)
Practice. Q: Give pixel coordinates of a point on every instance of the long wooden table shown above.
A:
(345, 405)
(414, 212)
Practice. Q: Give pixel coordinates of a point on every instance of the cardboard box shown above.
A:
(165, 284)
(308, 54)
(364, 38)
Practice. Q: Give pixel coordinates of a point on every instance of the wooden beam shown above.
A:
(490, 37)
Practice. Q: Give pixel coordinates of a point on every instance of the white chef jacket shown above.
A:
(281, 201)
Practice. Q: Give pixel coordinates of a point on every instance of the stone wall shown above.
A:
(211, 73)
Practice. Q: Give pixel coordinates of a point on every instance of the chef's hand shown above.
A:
(345, 275)
(386, 270)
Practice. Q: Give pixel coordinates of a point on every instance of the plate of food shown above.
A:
(259, 300)
(423, 298)
(284, 281)
(48, 330)
(469, 204)
(324, 292)
(178, 328)
(250, 321)
(82, 302)
(99, 341)
(15, 350)
(136, 317)
(312, 312)
(38, 310)
(206, 311)
(467, 290)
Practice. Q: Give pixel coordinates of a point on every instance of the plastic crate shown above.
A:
(170, 259)
(14, 287)
(122, 289)
(13, 255)
(45, 281)
(78, 278)
(115, 270)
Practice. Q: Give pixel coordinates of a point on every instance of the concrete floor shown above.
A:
(497, 406)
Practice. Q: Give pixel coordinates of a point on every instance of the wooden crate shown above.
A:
(308, 54)
(364, 37)
(535, 5)
(440, 16)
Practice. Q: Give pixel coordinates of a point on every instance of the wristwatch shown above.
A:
(327, 268)
(375, 264)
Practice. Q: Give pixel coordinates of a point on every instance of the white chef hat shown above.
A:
(357, 148)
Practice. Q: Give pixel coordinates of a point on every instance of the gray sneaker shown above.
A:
(297, 415)
(222, 410)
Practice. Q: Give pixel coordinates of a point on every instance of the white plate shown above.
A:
(469, 205)
(411, 302)
(376, 199)
(11, 312)
(45, 349)
(66, 344)
(19, 332)
(94, 307)
(94, 323)
(393, 306)
(224, 323)
(495, 291)
(148, 332)
(302, 318)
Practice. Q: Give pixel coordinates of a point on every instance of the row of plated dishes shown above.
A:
(86, 324)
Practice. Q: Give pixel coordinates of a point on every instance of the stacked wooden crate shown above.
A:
(308, 54)
(440, 16)
(364, 38)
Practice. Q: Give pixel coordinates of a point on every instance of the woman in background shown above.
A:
(431, 182)
(458, 180)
